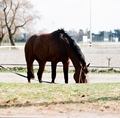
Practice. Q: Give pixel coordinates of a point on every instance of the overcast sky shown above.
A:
(75, 14)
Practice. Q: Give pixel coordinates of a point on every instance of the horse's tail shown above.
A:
(29, 56)
(29, 47)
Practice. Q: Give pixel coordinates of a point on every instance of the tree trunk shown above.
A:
(0, 41)
(11, 41)
(11, 37)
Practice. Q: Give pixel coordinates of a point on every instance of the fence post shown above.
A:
(109, 59)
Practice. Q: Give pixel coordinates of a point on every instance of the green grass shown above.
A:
(57, 93)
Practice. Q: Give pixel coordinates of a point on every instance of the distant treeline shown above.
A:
(102, 36)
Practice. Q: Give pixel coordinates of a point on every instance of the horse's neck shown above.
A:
(76, 62)
(72, 55)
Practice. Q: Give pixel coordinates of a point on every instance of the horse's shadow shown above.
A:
(117, 98)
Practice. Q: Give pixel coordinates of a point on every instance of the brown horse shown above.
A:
(55, 47)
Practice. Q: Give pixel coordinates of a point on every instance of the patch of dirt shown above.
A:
(66, 110)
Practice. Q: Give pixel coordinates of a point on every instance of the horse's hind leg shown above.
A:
(30, 72)
(41, 69)
(65, 69)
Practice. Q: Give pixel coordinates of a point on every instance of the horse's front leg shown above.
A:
(65, 69)
(41, 69)
(53, 66)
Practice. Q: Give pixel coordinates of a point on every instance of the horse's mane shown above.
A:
(74, 46)
(56, 34)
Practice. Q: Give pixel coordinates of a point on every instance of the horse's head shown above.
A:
(83, 78)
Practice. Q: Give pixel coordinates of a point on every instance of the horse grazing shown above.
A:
(55, 47)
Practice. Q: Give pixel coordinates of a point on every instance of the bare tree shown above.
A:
(16, 13)
(2, 28)
(2, 34)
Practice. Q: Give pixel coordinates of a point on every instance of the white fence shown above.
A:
(100, 44)
(11, 47)
(109, 45)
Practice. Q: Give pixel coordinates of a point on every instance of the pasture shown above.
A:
(58, 93)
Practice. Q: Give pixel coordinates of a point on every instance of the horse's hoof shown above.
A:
(52, 82)
(40, 81)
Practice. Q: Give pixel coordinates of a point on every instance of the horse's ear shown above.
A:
(88, 65)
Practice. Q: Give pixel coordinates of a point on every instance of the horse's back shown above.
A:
(49, 47)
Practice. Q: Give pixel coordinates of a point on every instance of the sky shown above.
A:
(75, 14)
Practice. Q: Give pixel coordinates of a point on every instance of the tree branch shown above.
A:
(14, 14)
(19, 26)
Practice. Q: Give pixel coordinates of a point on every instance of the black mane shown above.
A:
(74, 46)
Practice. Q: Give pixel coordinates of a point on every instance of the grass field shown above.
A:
(21, 94)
